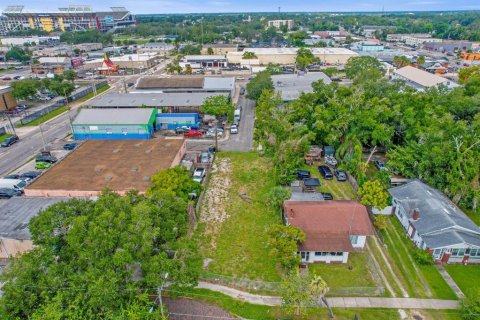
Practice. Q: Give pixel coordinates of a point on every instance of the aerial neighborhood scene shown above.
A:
(248, 159)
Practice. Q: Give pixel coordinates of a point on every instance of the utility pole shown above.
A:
(216, 135)
(124, 85)
(11, 124)
(159, 297)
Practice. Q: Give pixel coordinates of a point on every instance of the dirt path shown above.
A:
(380, 272)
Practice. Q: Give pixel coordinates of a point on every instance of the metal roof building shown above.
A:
(420, 79)
(291, 86)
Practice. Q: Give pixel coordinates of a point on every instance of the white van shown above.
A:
(237, 115)
(15, 184)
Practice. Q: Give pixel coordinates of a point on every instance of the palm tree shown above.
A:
(247, 55)
(318, 289)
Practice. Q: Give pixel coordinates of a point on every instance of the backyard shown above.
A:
(339, 190)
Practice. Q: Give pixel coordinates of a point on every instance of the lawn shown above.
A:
(4, 136)
(466, 277)
(235, 218)
(47, 116)
(339, 190)
(90, 95)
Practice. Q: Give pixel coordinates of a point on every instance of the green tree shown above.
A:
(297, 38)
(297, 293)
(247, 55)
(420, 60)
(277, 195)
(210, 50)
(257, 85)
(23, 89)
(401, 61)
(175, 182)
(330, 71)
(373, 194)
(364, 68)
(61, 88)
(18, 54)
(466, 74)
(471, 305)
(380, 221)
(70, 75)
(76, 51)
(284, 240)
(319, 288)
(190, 49)
(218, 106)
(304, 58)
(273, 69)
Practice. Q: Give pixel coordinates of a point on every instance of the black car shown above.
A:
(6, 193)
(9, 141)
(48, 159)
(303, 174)
(327, 196)
(341, 175)
(30, 174)
(12, 176)
(70, 146)
(325, 172)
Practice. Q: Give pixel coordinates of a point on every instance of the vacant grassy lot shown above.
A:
(235, 218)
(48, 116)
(466, 277)
(355, 273)
(4, 136)
(339, 190)
(90, 95)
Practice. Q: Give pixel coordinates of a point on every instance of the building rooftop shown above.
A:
(290, 51)
(423, 78)
(292, 85)
(58, 60)
(15, 213)
(113, 116)
(328, 224)
(204, 57)
(192, 82)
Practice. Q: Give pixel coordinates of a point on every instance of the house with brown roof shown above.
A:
(332, 229)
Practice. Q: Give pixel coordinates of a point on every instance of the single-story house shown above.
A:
(332, 229)
(435, 223)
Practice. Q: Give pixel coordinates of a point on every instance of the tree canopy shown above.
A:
(304, 58)
(364, 68)
(18, 54)
(218, 106)
(255, 87)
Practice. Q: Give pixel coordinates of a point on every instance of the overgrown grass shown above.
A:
(238, 246)
(46, 117)
(4, 136)
(339, 190)
(355, 273)
(90, 95)
(466, 277)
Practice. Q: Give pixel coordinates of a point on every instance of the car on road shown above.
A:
(44, 158)
(233, 129)
(130, 84)
(21, 107)
(380, 164)
(70, 146)
(193, 133)
(42, 165)
(198, 175)
(6, 78)
(9, 141)
(7, 193)
(30, 174)
(302, 174)
(341, 175)
(327, 196)
(12, 176)
(240, 78)
(325, 172)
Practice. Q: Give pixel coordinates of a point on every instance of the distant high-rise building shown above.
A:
(279, 23)
(71, 18)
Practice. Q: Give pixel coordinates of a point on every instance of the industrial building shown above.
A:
(120, 165)
(167, 102)
(113, 124)
(286, 56)
(55, 65)
(291, 86)
(71, 18)
(420, 79)
(219, 48)
(448, 46)
(7, 101)
(160, 48)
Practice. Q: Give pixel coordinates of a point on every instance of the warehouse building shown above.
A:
(55, 65)
(113, 124)
(448, 46)
(287, 56)
(204, 61)
(291, 86)
(7, 101)
(171, 121)
(421, 80)
(219, 48)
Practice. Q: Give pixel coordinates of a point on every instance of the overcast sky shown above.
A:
(186, 6)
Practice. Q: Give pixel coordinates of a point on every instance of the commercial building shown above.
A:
(159, 48)
(7, 101)
(280, 23)
(60, 50)
(112, 124)
(332, 229)
(219, 48)
(171, 121)
(204, 61)
(120, 165)
(286, 56)
(436, 224)
(420, 79)
(71, 18)
(128, 61)
(15, 214)
(291, 86)
(166, 102)
(34, 40)
(87, 47)
(187, 84)
(367, 46)
(55, 65)
(448, 46)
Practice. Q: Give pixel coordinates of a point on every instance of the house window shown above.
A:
(354, 239)
(455, 253)
(318, 254)
(474, 252)
(461, 252)
(436, 252)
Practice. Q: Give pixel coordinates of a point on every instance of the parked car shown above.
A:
(331, 161)
(130, 84)
(6, 78)
(182, 129)
(240, 78)
(325, 172)
(193, 133)
(6, 193)
(233, 129)
(204, 157)
(21, 107)
(198, 175)
(49, 159)
(341, 175)
(70, 146)
(30, 174)
(211, 132)
(242, 90)
(302, 174)
(9, 141)
(380, 164)
(327, 196)
(42, 165)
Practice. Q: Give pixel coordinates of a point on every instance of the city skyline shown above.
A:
(219, 6)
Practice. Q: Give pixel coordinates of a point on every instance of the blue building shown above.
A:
(114, 124)
(171, 121)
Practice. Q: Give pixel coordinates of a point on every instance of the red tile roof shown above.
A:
(328, 224)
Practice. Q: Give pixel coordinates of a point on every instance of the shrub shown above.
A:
(422, 257)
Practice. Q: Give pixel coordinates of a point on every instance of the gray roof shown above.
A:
(219, 83)
(306, 196)
(292, 85)
(113, 116)
(165, 99)
(441, 221)
(15, 213)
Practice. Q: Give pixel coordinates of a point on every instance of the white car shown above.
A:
(198, 175)
(233, 129)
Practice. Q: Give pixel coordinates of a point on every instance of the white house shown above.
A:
(436, 224)
(332, 229)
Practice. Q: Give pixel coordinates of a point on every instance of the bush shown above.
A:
(380, 221)
(422, 257)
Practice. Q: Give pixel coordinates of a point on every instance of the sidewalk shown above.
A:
(449, 280)
(339, 302)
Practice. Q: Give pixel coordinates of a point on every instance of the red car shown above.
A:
(193, 133)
